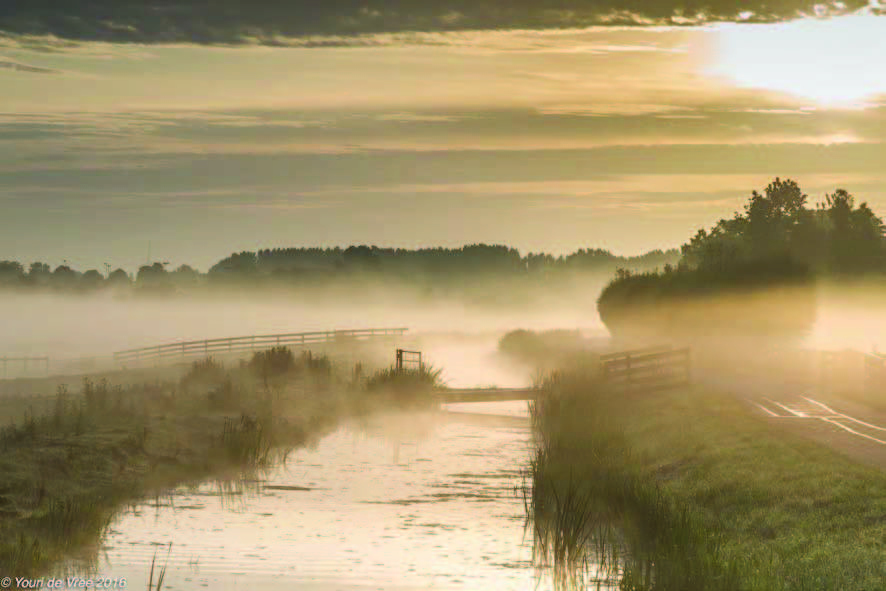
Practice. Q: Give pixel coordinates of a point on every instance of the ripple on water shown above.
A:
(436, 508)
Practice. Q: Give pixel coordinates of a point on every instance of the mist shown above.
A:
(458, 335)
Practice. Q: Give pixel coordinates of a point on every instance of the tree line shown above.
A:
(316, 266)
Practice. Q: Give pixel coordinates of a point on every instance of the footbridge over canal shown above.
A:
(486, 394)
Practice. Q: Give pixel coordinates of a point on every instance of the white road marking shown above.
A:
(796, 413)
(833, 417)
(853, 431)
(766, 410)
(844, 416)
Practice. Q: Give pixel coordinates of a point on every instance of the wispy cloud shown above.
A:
(608, 109)
(6, 64)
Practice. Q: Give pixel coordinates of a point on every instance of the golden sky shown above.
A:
(627, 138)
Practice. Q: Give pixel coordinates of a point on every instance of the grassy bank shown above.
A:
(70, 465)
(689, 490)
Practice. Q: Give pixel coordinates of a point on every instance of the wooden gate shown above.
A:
(656, 368)
(408, 358)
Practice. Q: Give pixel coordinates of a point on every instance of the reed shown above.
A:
(161, 574)
(247, 441)
(405, 387)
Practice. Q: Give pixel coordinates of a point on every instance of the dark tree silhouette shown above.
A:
(92, 280)
(11, 273)
(119, 278)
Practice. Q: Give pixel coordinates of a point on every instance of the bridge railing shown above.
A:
(207, 347)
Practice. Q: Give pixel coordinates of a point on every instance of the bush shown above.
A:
(766, 297)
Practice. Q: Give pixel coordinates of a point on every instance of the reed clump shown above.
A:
(412, 386)
(247, 442)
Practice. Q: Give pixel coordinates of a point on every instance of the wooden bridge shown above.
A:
(208, 347)
(486, 394)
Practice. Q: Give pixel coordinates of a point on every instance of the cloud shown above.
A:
(271, 22)
(417, 118)
(604, 109)
(71, 140)
(6, 64)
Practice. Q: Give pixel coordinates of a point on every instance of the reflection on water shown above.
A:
(399, 503)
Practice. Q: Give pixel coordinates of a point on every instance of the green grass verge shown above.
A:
(694, 483)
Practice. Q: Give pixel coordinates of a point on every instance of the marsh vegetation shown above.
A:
(69, 466)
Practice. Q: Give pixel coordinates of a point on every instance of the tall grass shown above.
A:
(593, 507)
(203, 372)
(247, 441)
(272, 362)
(414, 386)
(161, 574)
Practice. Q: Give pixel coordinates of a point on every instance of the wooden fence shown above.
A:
(654, 368)
(208, 347)
(26, 363)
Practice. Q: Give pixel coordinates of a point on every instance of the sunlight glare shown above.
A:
(834, 62)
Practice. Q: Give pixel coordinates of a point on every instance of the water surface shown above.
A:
(406, 502)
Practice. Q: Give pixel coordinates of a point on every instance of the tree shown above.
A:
(777, 225)
(361, 257)
(153, 278)
(92, 279)
(185, 275)
(119, 278)
(39, 274)
(64, 277)
(11, 272)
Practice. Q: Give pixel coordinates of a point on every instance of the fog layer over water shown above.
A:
(68, 328)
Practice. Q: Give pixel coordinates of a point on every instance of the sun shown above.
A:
(834, 62)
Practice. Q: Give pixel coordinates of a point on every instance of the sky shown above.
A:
(188, 137)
